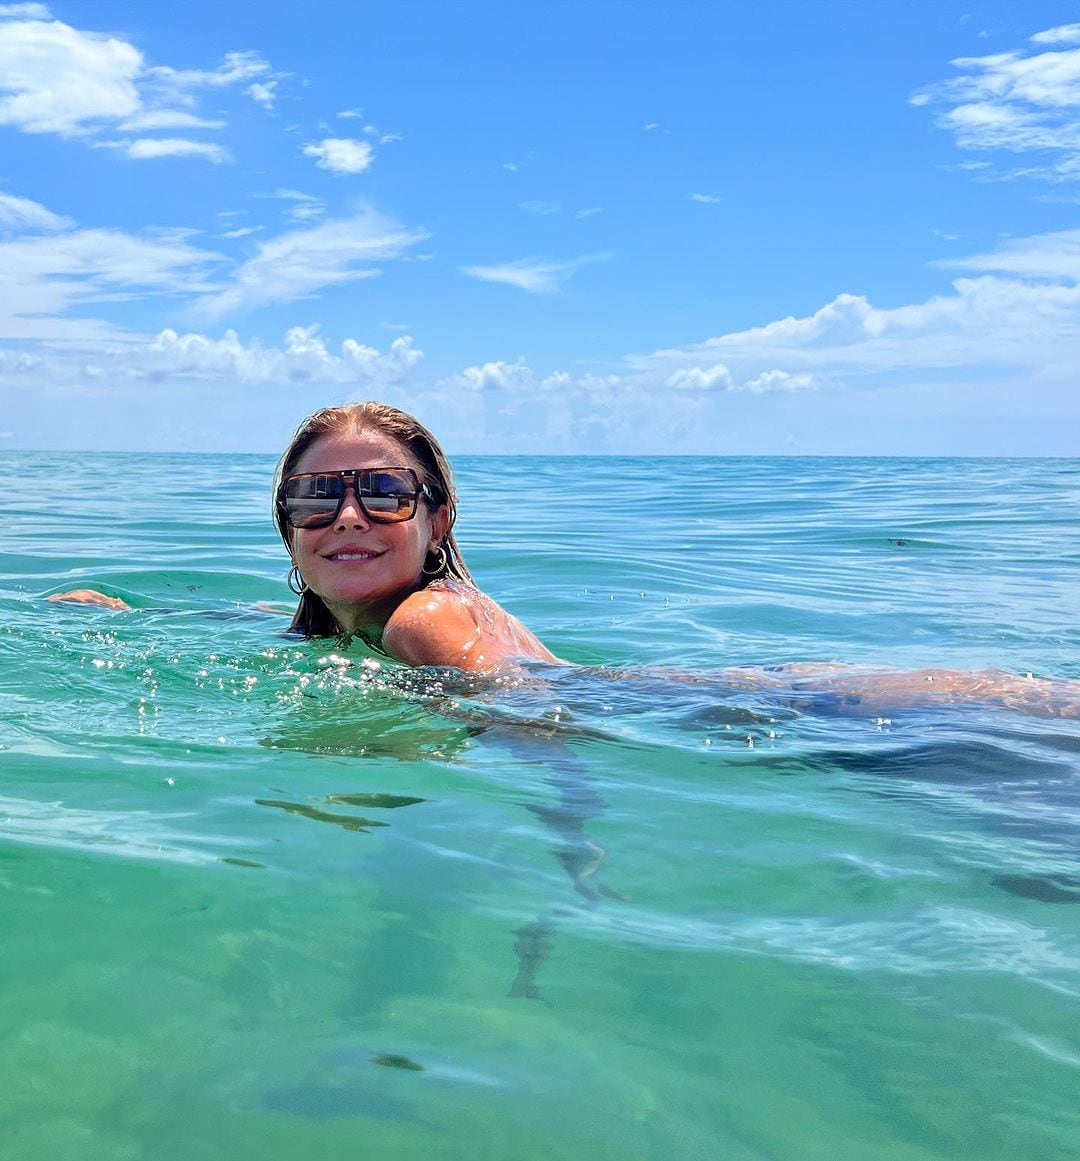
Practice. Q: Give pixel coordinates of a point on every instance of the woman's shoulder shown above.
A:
(450, 622)
(436, 625)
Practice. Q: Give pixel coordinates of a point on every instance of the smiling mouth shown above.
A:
(345, 556)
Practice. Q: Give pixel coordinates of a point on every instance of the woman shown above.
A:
(364, 500)
(365, 503)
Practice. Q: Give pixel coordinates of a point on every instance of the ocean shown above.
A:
(267, 898)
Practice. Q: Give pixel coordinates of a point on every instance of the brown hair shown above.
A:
(312, 617)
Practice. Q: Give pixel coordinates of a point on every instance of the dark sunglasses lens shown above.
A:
(312, 501)
(389, 496)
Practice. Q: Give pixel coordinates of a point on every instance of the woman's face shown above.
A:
(360, 569)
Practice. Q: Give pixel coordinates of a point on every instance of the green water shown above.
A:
(269, 898)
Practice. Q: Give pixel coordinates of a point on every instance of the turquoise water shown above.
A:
(266, 898)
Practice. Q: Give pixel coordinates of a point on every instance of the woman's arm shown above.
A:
(90, 597)
(877, 690)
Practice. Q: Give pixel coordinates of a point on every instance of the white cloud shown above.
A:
(705, 199)
(496, 375)
(290, 195)
(24, 12)
(356, 113)
(719, 378)
(301, 263)
(263, 94)
(241, 232)
(778, 381)
(1063, 34)
(701, 378)
(43, 278)
(340, 154)
(1051, 256)
(151, 148)
(58, 79)
(154, 119)
(23, 214)
(516, 378)
(304, 356)
(235, 68)
(173, 357)
(535, 275)
(510, 167)
(55, 79)
(1055, 257)
(1000, 323)
(588, 212)
(307, 207)
(307, 211)
(1019, 102)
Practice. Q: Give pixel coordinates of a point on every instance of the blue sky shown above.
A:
(749, 228)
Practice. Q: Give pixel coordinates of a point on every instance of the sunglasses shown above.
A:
(385, 495)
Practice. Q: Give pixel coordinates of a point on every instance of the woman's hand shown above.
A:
(90, 597)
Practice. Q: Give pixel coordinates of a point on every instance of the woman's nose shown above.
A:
(350, 513)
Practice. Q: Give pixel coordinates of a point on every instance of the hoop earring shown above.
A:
(442, 562)
(296, 582)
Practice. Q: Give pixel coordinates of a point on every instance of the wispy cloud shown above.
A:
(44, 278)
(290, 195)
(235, 68)
(1063, 34)
(1027, 321)
(23, 214)
(307, 211)
(342, 155)
(24, 12)
(588, 212)
(535, 275)
(241, 232)
(1023, 101)
(301, 263)
(151, 148)
(306, 207)
(153, 119)
(1052, 257)
(705, 199)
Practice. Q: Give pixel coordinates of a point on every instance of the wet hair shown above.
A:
(312, 617)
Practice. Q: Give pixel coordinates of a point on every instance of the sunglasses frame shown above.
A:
(353, 477)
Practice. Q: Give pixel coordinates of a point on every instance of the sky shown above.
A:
(548, 228)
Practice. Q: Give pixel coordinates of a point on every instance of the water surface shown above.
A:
(278, 899)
